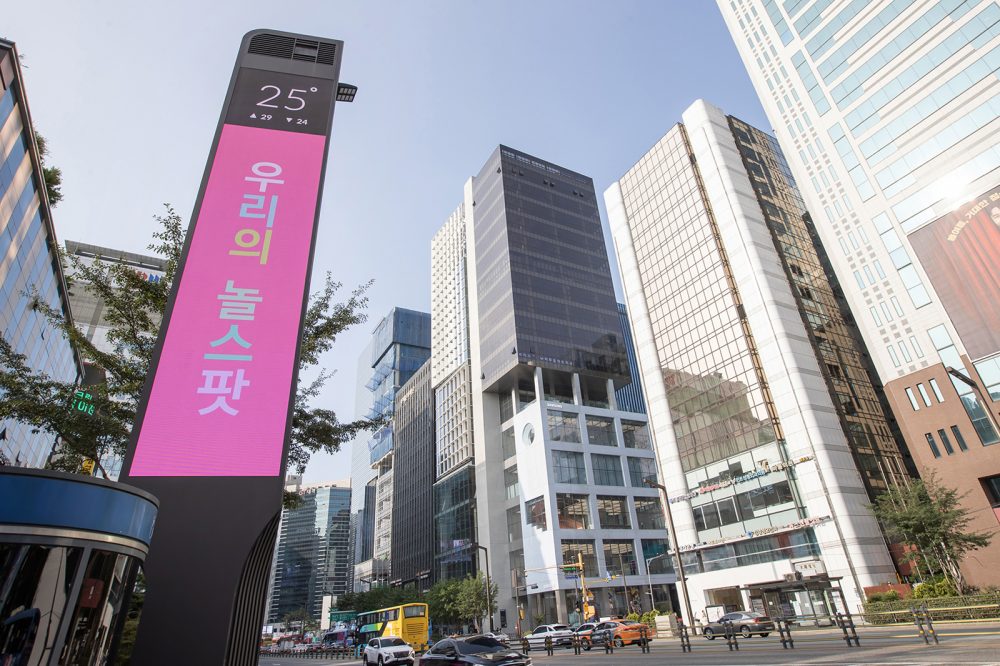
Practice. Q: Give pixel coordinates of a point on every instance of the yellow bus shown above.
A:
(409, 622)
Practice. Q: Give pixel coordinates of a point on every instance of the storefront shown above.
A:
(70, 549)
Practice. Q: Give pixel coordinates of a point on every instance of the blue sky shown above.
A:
(129, 93)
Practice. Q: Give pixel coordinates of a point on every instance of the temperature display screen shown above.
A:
(275, 100)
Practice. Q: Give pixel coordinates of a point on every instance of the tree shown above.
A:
(929, 518)
(133, 308)
(474, 602)
(52, 175)
(377, 598)
(298, 616)
(442, 603)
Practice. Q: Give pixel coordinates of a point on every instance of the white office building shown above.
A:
(889, 113)
(770, 434)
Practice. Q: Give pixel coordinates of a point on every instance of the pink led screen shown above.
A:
(219, 400)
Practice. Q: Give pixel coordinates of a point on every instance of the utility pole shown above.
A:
(689, 616)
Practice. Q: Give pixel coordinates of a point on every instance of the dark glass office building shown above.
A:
(544, 283)
(629, 396)
(413, 480)
(29, 265)
(455, 554)
(312, 557)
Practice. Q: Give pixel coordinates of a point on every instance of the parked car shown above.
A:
(475, 650)
(618, 632)
(387, 650)
(498, 635)
(747, 624)
(561, 635)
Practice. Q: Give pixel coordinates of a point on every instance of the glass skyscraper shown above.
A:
(400, 345)
(312, 557)
(889, 114)
(29, 266)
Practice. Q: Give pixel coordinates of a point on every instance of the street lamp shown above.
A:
(649, 578)
(489, 585)
(677, 548)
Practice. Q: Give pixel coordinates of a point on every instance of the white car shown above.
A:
(500, 636)
(561, 635)
(387, 650)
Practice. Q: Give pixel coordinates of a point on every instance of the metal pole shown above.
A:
(489, 587)
(677, 550)
(628, 602)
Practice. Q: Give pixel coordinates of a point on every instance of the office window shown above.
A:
(507, 445)
(601, 431)
(958, 438)
(931, 443)
(564, 426)
(612, 512)
(573, 548)
(514, 524)
(641, 469)
(923, 394)
(607, 470)
(574, 511)
(991, 485)
(534, 512)
(510, 482)
(656, 552)
(619, 556)
(649, 513)
(893, 355)
(943, 436)
(913, 399)
(635, 434)
(568, 467)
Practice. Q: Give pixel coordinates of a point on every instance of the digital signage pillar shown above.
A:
(210, 439)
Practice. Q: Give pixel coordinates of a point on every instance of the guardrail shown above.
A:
(337, 654)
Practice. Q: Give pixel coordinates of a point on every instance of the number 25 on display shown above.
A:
(295, 101)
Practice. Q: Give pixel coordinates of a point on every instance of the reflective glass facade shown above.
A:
(413, 480)
(876, 443)
(630, 397)
(544, 284)
(312, 558)
(28, 264)
(455, 556)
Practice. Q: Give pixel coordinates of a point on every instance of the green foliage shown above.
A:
(52, 175)
(378, 597)
(632, 616)
(649, 618)
(133, 308)
(968, 607)
(891, 595)
(930, 519)
(474, 602)
(934, 589)
(442, 602)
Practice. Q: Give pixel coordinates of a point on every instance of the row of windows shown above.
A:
(573, 512)
(743, 506)
(830, 70)
(880, 145)
(924, 396)
(981, 420)
(619, 556)
(978, 31)
(945, 441)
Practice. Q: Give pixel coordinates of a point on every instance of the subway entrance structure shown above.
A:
(211, 435)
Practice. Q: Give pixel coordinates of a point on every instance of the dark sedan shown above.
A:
(478, 650)
(746, 624)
